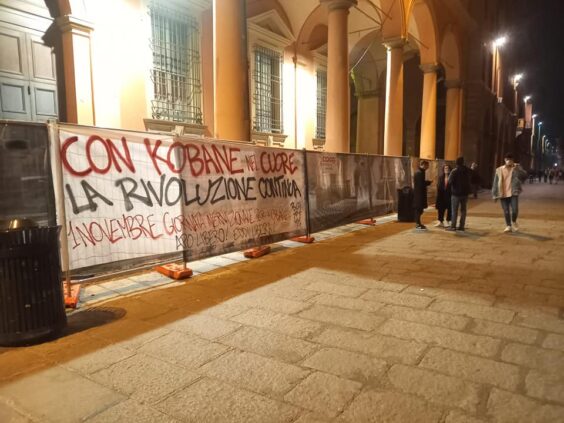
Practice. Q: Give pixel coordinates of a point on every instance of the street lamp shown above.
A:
(515, 79)
(527, 98)
(500, 41)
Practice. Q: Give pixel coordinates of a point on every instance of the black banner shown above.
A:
(345, 188)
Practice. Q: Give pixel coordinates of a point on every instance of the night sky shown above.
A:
(536, 48)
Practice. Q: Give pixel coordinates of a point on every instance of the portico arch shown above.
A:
(422, 28)
(392, 17)
(368, 67)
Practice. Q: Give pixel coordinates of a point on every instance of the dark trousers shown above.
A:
(475, 189)
(418, 213)
(510, 206)
(441, 214)
(462, 202)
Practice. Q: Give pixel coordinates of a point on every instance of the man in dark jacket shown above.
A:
(460, 186)
(475, 179)
(420, 193)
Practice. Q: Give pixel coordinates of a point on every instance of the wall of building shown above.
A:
(121, 59)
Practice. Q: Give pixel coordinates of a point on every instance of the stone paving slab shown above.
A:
(132, 411)
(323, 393)
(213, 401)
(255, 373)
(375, 407)
(144, 378)
(269, 344)
(50, 395)
(373, 324)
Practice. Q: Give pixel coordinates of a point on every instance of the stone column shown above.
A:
(452, 124)
(429, 112)
(338, 97)
(460, 117)
(77, 70)
(368, 122)
(393, 120)
(231, 77)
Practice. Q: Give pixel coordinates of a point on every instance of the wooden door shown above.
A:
(28, 82)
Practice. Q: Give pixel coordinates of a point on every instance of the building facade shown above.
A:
(393, 77)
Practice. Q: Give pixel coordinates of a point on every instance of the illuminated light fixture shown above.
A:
(500, 41)
(540, 123)
(527, 98)
(517, 78)
(535, 116)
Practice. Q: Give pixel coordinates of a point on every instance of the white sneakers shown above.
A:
(439, 225)
(515, 228)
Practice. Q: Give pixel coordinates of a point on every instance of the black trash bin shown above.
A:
(32, 306)
(406, 213)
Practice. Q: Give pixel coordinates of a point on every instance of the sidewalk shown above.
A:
(380, 324)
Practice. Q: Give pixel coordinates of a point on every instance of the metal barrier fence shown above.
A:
(126, 198)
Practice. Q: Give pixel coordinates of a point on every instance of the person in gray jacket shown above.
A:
(507, 188)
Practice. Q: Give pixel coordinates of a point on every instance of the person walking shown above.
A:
(442, 204)
(460, 185)
(545, 176)
(420, 193)
(551, 176)
(532, 176)
(475, 179)
(506, 187)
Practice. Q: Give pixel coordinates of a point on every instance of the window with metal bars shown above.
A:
(321, 111)
(267, 92)
(177, 92)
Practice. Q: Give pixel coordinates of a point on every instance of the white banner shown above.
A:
(133, 194)
(114, 196)
(239, 196)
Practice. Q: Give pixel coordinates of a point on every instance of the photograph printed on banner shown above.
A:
(345, 188)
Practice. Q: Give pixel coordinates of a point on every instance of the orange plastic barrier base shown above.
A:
(71, 301)
(366, 222)
(304, 239)
(257, 251)
(174, 270)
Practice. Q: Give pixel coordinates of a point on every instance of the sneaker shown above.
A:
(450, 229)
(448, 223)
(421, 227)
(507, 229)
(439, 225)
(515, 227)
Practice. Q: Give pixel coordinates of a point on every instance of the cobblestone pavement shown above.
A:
(381, 325)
